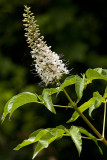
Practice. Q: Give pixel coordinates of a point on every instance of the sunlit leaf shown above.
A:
(68, 81)
(34, 137)
(50, 90)
(85, 132)
(97, 73)
(84, 107)
(79, 86)
(48, 102)
(76, 137)
(96, 104)
(17, 101)
(61, 127)
(105, 94)
(47, 139)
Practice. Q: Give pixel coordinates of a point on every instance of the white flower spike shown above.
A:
(47, 63)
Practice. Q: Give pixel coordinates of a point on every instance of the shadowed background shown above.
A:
(76, 29)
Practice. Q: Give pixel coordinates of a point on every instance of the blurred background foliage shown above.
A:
(76, 29)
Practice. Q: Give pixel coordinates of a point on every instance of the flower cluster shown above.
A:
(47, 63)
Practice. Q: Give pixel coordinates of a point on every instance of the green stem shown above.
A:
(69, 97)
(85, 119)
(104, 120)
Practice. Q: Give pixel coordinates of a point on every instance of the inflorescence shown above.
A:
(47, 63)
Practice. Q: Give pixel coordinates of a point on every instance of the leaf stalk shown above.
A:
(60, 106)
(68, 135)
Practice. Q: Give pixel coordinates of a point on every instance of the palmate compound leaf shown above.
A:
(76, 137)
(86, 105)
(48, 102)
(79, 86)
(17, 101)
(97, 73)
(85, 132)
(44, 138)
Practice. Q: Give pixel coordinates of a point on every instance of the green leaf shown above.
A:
(85, 132)
(48, 102)
(48, 135)
(61, 127)
(47, 139)
(96, 104)
(50, 90)
(79, 86)
(34, 137)
(84, 107)
(76, 137)
(68, 81)
(97, 73)
(105, 94)
(17, 101)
